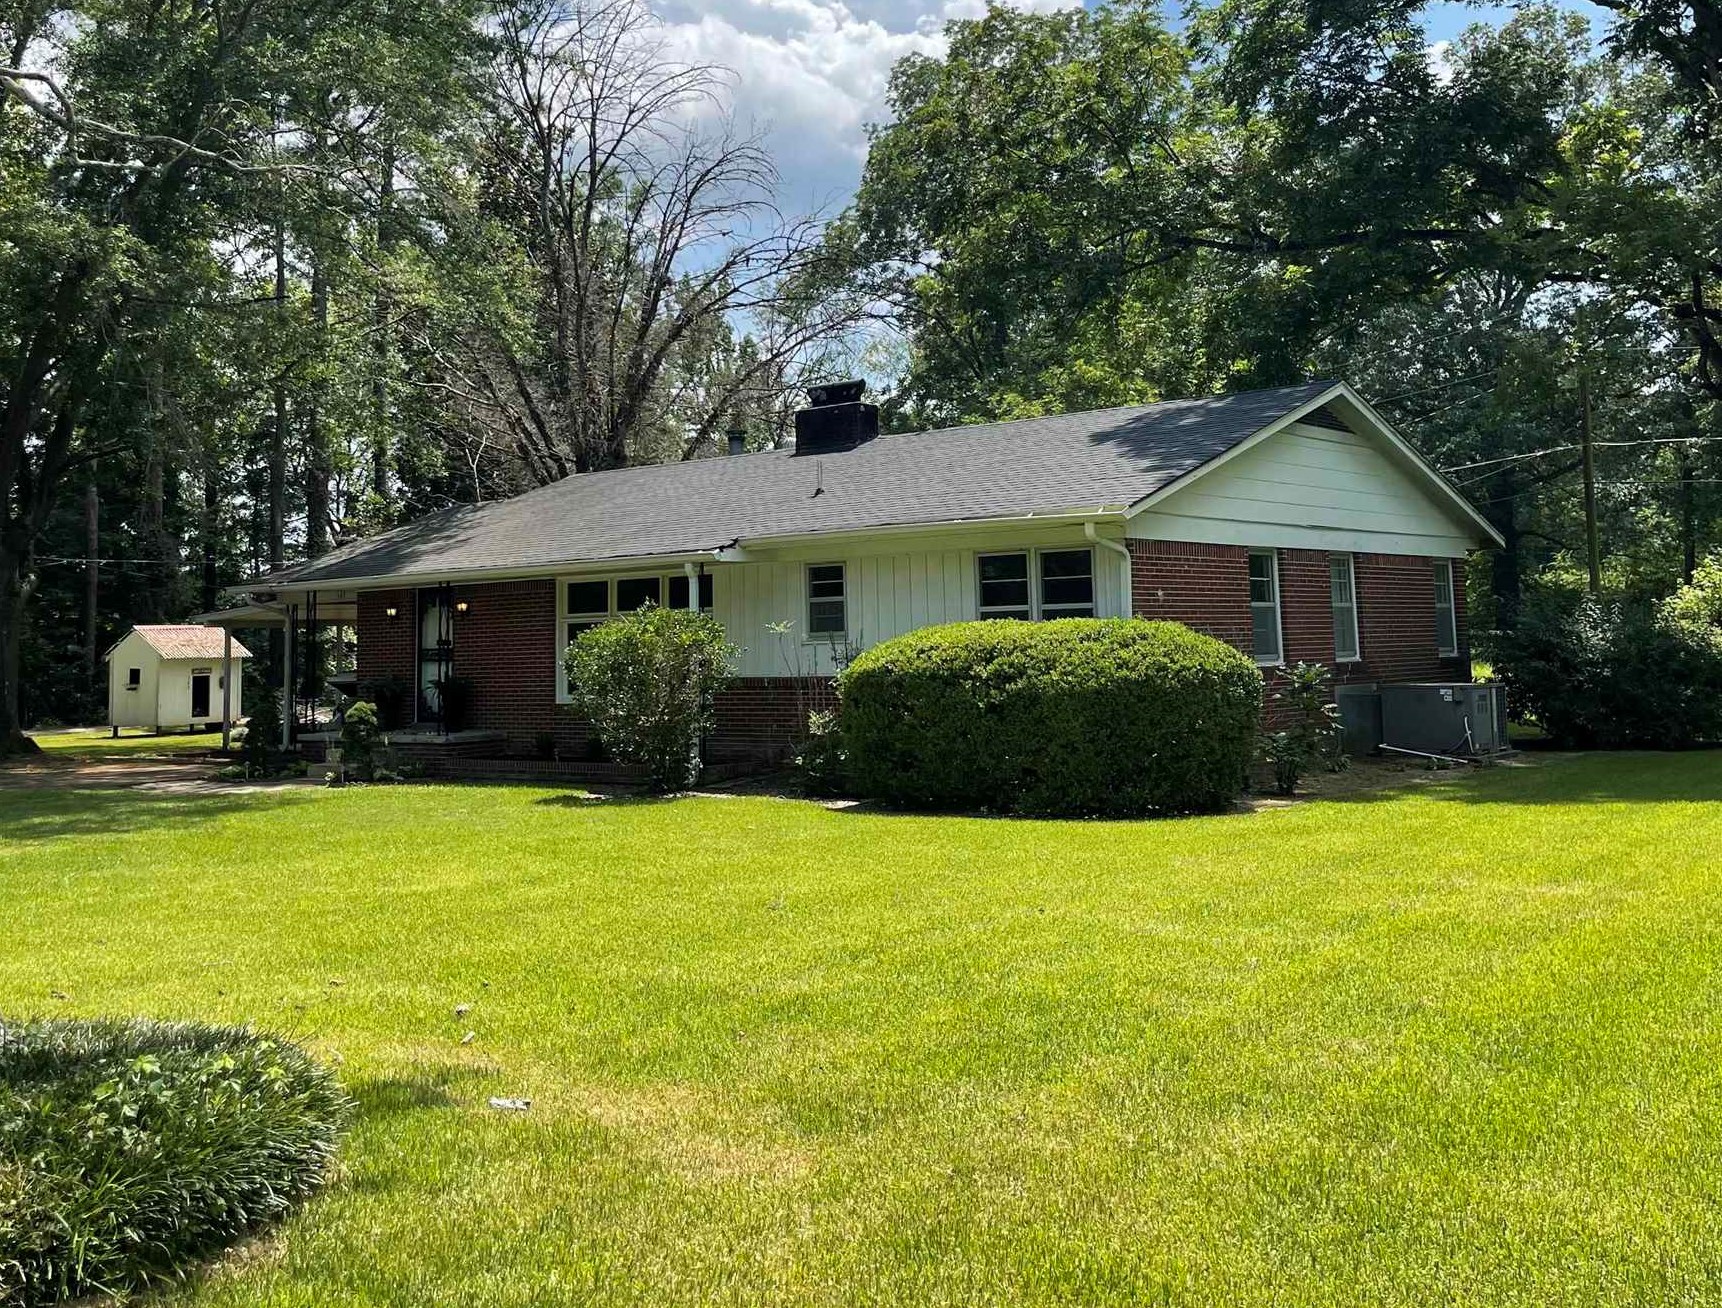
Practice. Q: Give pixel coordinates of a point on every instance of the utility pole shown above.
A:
(1592, 545)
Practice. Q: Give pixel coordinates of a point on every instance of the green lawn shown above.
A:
(1460, 1044)
(99, 742)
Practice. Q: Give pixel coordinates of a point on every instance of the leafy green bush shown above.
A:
(129, 1150)
(1696, 608)
(648, 683)
(360, 740)
(1117, 717)
(821, 760)
(1599, 674)
(1312, 731)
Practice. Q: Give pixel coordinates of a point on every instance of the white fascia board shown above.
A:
(1440, 488)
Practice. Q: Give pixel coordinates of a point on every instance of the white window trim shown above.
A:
(812, 637)
(1356, 621)
(1032, 553)
(1279, 660)
(564, 617)
(1444, 567)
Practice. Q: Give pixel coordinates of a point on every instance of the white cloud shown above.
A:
(811, 74)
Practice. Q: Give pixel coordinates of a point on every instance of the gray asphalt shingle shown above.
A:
(1109, 457)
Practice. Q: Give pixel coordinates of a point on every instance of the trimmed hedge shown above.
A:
(1111, 717)
(130, 1150)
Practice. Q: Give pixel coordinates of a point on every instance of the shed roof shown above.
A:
(182, 641)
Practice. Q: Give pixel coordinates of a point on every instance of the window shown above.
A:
(1004, 586)
(1067, 584)
(1446, 619)
(826, 600)
(679, 592)
(134, 678)
(637, 592)
(1344, 584)
(1265, 606)
(586, 604)
(1062, 584)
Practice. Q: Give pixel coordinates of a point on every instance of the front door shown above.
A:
(200, 697)
(436, 650)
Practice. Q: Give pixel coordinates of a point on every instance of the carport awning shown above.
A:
(329, 613)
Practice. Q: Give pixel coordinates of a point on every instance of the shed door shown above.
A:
(200, 694)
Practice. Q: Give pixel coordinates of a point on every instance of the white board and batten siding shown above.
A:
(1310, 487)
(888, 592)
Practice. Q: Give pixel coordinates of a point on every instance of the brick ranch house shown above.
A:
(1293, 523)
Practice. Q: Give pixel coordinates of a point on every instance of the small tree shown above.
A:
(648, 683)
(1312, 731)
(262, 749)
(360, 736)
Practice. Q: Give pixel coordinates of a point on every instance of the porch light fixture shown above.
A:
(460, 606)
(391, 613)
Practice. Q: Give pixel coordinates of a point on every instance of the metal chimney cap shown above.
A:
(843, 392)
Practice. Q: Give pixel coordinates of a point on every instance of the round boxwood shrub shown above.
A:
(130, 1150)
(1112, 717)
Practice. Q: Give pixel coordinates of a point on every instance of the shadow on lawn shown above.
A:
(1626, 777)
(36, 815)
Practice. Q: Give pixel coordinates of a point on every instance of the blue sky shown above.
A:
(810, 74)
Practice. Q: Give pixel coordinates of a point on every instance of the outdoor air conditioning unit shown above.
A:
(1458, 719)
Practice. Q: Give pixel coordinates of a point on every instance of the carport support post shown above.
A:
(226, 689)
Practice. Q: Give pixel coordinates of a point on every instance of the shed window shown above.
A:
(134, 678)
(1343, 573)
(1446, 618)
(827, 600)
(1067, 584)
(1265, 606)
(1004, 586)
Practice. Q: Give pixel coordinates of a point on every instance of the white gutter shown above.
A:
(737, 551)
(1127, 607)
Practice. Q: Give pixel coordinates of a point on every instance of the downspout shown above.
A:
(1126, 607)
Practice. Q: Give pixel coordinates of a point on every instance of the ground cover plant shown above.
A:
(130, 1150)
(1076, 717)
(1451, 1044)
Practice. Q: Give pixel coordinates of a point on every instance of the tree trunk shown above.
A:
(92, 579)
(1505, 563)
(209, 529)
(317, 470)
(14, 595)
(380, 325)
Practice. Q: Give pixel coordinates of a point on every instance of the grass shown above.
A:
(94, 743)
(1456, 1044)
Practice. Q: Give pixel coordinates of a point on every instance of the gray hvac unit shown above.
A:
(1457, 718)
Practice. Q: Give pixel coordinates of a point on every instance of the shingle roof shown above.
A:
(188, 642)
(1109, 457)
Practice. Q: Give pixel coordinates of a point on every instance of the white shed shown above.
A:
(174, 676)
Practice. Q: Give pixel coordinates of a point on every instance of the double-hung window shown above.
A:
(1342, 572)
(1446, 616)
(1265, 607)
(827, 600)
(1036, 584)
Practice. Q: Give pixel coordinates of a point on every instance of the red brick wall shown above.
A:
(506, 643)
(1207, 587)
(1203, 586)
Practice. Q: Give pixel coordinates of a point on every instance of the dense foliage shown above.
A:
(1308, 729)
(129, 1150)
(648, 684)
(1113, 717)
(1613, 675)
